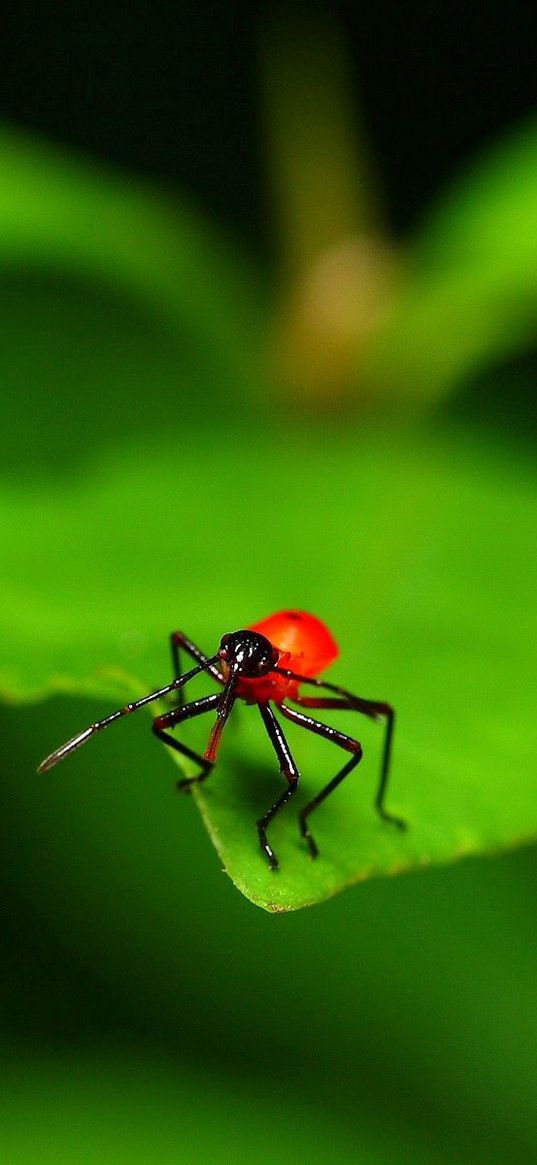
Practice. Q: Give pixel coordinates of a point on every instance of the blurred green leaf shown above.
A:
(118, 305)
(122, 1107)
(422, 558)
(471, 292)
(64, 211)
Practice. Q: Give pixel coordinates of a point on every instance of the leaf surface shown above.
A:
(421, 556)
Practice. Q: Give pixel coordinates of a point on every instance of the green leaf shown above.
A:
(81, 218)
(471, 290)
(129, 1106)
(121, 310)
(419, 553)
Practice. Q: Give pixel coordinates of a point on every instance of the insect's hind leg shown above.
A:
(375, 710)
(346, 742)
(162, 724)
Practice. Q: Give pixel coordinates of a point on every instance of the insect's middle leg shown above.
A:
(288, 770)
(171, 719)
(343, 741)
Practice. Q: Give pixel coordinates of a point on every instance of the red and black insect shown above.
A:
(266, 664)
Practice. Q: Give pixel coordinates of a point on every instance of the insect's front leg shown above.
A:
(162, 724)
(180, 642)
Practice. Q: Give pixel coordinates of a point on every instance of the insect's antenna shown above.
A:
(226, 703)
(82, 737)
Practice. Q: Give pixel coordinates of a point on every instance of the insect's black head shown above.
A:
(248, 653)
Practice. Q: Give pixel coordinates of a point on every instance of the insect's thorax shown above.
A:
(272, 687)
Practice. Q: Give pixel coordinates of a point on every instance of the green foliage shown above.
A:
(471, 290)
(63, 214)
(150, 480)
(417, 549)
(415, 575)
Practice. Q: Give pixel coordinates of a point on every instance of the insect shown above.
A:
(266, 664)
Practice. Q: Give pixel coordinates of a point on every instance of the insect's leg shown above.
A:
(162, 724)
(376, 710)
(180, 642)
(343, 741)
(288, 770)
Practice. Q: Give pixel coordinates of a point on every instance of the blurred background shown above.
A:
(268, 287)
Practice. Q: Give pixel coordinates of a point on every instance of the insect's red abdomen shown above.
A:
(303, 637)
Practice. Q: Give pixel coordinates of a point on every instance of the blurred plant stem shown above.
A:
(337, 270)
